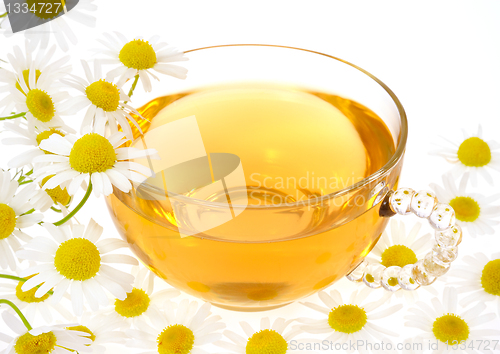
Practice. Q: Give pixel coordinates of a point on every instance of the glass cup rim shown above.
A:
(398, 154)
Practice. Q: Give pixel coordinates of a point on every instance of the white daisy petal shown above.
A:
(119, 71)
(48, 284)
(115, 289)
(172, 70)
(77, 297)
(119, 180)
(108, 245)
(107, 185)
(76, 183)
(60, 290)
(13, 323)
(316, 307)
(118, 258)
(56, 144)
(146, 82)
(28, 220)
(327, 300)
(247, 328)
(60, 178)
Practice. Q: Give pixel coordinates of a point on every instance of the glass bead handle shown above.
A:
(437, 262)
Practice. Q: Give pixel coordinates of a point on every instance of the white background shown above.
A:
(441, 58)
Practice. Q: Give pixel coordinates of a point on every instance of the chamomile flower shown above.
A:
(474, 155)
(480, 279)
(14, 216)
(100, 329)
(445, 323)
(31, 138)
(39, 100)
(41, 30)
(472, 211)
(182, 330)
(140, 57)
(43, 199)
(53, 339)
(41, 62)
(30, 305)
(141, 303)
(349, 321)
(92, 157)
(105, 101)
(47, 198)
(398, 248)
(75, 259)
(269, 339)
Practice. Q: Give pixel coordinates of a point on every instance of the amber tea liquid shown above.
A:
(295, 147)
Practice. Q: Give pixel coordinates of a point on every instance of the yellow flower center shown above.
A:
(175, 339)
(266, 341)
(29, 296)
(45, 135)
(7, 221)
(347, 318)
(466, 208)
(398, 255)
(57, 194)
(474, 152)
(45, 12)
(42, 344)
(450, 329)
(26, 77)
(40, 105)
(91, 335)
(135, 304)
(104, 95)
(138, 54)
(490, 279)
(92, 153)
(77, 259)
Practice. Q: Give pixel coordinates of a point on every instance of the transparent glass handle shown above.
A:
(437, 262)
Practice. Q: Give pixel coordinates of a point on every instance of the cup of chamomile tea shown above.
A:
(275, 162)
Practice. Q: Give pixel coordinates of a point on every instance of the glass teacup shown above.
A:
(275, 161)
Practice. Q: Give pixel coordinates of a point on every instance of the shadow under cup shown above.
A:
(204, 233)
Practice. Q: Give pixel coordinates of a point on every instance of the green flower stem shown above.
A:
(78, 207)
(11, 304)
(29, 212)
(14, 116)
(131, 92)
(13, 277)
(23, 176)
(25, 181)
(56, 210)
(4, 15)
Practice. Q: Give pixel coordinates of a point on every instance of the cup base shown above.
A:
(250, 309)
